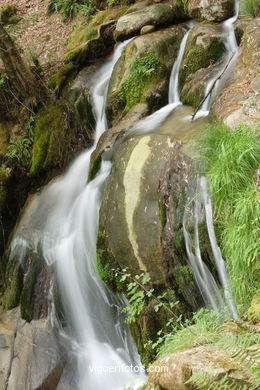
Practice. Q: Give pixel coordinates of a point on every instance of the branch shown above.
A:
(213, 86)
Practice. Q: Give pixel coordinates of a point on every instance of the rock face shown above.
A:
(142, 72)
(211, 10)
(182, 365)
(240, 99)
(202, 60)
(29, 354)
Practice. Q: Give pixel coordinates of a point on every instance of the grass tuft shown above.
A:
(231, 160)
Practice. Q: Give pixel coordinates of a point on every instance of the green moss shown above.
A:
(49, 123)
(192, 99)
(163, 11)
(35, 267)
(14, 284)
(84, 33)
(198, 57)
(59, 79)
(145, 72)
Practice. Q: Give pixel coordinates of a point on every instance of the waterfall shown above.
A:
(222, 304)
(65, 225)
(153, 121)
(214, 85)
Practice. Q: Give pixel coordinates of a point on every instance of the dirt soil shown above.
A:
(38, 33)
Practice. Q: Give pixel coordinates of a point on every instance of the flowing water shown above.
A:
(202, 211)
(215, 85)
(63, 225)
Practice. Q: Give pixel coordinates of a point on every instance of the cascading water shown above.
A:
(204, 279)
(65, 227)
(215, 84)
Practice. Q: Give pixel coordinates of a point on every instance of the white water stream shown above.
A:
(64, 224)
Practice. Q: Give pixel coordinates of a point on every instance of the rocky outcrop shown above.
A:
(211, 359)
(142, 72)
(240, 99)
(30, 357)
(202, 60)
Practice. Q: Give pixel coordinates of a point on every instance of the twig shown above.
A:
(213, 86)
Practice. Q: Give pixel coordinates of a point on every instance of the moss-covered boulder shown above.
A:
(211, 10)
(158, 15)
(203, 50)
(88, 43)
(254, 309)
(239, 101)
(56, 138)
(142, 72)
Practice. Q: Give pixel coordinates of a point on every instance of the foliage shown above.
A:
(19, 151)
(144, 72)
(250, 7)
(204, 328)
(138, 292)
(70, 8)
(231, 159)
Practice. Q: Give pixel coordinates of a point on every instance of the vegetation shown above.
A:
(145, 71)
(231, 160)
(70, 8)
(250, 7)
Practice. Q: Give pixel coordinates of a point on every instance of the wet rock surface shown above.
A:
(29, 355)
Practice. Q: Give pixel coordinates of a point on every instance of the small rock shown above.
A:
(256, 84)
(147, 29)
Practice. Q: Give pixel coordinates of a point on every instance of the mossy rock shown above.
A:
(51, 139)
(211, 10)
(142, 72)
(62, 76)
(13, 285)
(88, 43)
(204, 48)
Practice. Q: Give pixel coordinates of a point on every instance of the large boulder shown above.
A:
(29, 354)
(202, 60)
(211, 10)
(157, 15)
(240, 99)
(142, 72)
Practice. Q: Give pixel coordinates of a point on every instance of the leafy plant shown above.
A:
(138, 292)
(231, 160)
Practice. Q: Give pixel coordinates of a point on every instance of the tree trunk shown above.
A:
(24, 84)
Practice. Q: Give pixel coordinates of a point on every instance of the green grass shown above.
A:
(230, 160)
(250, 7)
